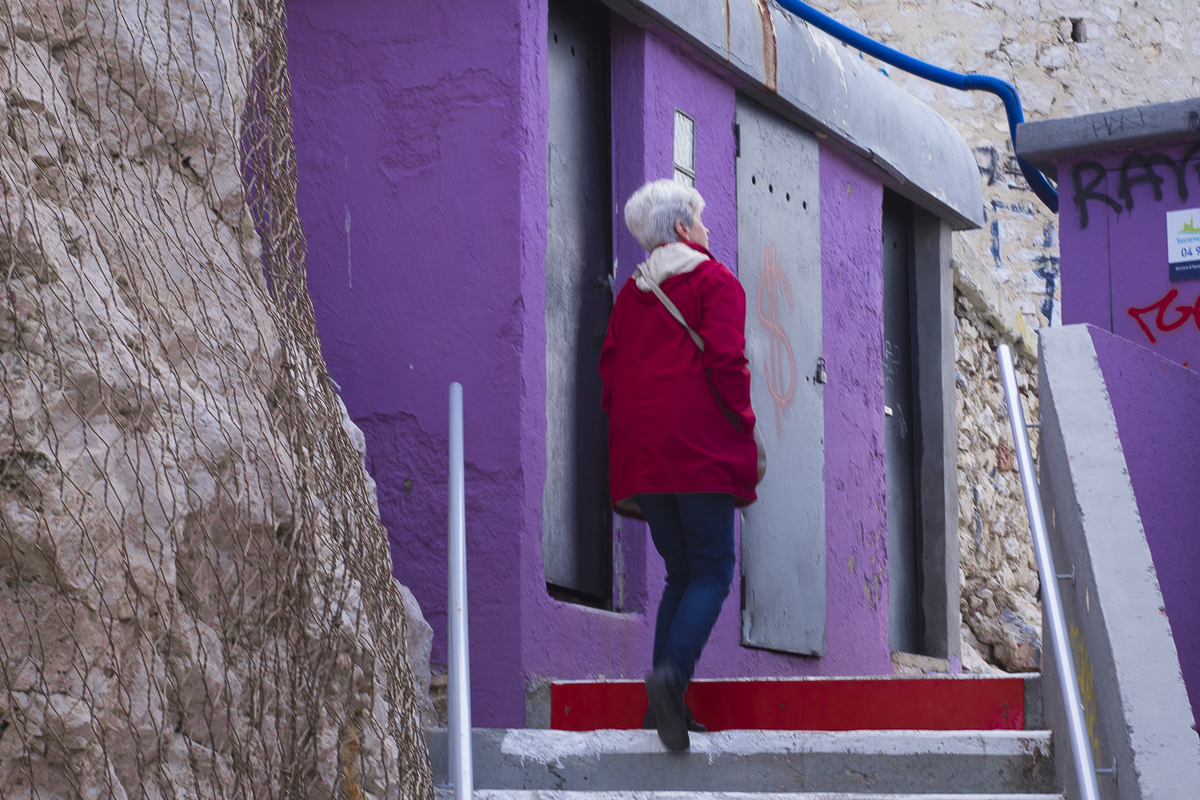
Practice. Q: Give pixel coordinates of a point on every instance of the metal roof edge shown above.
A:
(1046, 142)
(812, 80)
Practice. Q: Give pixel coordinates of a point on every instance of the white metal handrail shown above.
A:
(1081, 749)
(458, 679)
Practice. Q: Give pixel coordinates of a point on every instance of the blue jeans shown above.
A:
(694, 535)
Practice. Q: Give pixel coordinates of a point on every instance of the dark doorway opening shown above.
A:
(577, 546)
(902, 426)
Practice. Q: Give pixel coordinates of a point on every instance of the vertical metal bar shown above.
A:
(1085, 768)
(459, 677)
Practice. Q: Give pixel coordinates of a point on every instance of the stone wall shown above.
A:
(187, 609)
(1066, 57)
(1001, 614)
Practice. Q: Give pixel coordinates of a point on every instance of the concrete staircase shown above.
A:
(523, 764)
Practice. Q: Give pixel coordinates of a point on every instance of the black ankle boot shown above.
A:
(650, 722)
(665, 690)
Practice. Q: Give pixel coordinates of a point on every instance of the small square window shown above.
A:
(685, 148)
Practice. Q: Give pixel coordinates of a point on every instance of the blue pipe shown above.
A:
(955, 80)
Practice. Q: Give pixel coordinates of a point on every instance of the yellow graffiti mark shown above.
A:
(1087, 686)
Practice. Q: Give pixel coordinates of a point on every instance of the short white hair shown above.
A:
(653, 210)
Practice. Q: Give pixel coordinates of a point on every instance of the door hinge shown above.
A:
(737, 140)
(821, 376)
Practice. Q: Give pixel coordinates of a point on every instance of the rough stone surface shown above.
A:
(149, 488)
(1132, 53)
(1001, 615)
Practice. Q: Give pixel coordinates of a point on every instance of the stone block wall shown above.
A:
(1066, 57)
(1001, 615)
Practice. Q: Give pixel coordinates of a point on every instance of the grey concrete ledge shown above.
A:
(983, 291)
(979, 762)
(1046, 142)
(812, 80)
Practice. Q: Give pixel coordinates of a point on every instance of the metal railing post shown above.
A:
(1081, 749)
(459, 677)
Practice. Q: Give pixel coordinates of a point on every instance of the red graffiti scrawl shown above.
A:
(1161, 308)
(782, 361)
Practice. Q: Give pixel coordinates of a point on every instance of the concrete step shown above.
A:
(874, 763)
(447, 793)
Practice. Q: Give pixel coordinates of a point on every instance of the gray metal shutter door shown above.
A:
(577, 521)
(901, 428)
(779, 262)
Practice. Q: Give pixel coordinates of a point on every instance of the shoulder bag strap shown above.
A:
(671, 307)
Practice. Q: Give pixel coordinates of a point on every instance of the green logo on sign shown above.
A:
(1190, 226)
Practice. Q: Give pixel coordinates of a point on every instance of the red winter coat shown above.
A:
(667, 432)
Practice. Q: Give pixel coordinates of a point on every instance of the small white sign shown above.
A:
(1183, 244)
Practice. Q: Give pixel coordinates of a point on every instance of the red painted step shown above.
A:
(815, 704)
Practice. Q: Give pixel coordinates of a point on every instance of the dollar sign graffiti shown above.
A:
(769, 285)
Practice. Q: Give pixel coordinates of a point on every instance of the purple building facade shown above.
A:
(423, 133)
(1129, 183)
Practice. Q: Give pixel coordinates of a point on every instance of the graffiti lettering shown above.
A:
(1047, 270)
(998, 167)
(769, 285)
(1085, 193)
(1137, 169)
(1160, 309)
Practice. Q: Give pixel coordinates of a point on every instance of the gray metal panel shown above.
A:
(576, 520)
(810, 79)
(779, 261)
(902, 428)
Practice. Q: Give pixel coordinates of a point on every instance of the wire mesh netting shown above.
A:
(195, 589)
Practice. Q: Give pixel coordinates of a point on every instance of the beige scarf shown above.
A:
(667, 260)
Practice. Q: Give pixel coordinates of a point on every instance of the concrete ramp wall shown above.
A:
(1134, 695)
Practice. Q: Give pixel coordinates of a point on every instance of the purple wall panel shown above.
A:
(1157, 408)
(425, 268)
(856, 572)
(426, 265)
(630, 537)
(1117, 261)
(1084, 262)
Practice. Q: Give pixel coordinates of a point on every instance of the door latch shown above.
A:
(821, 376)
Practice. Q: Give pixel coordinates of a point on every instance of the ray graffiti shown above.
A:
(1138, 169)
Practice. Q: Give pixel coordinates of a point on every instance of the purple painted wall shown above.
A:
(1157, 407)
(425, 264)
(1115, 276)
(856, 571)
(1113, 243)
(426, 246)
